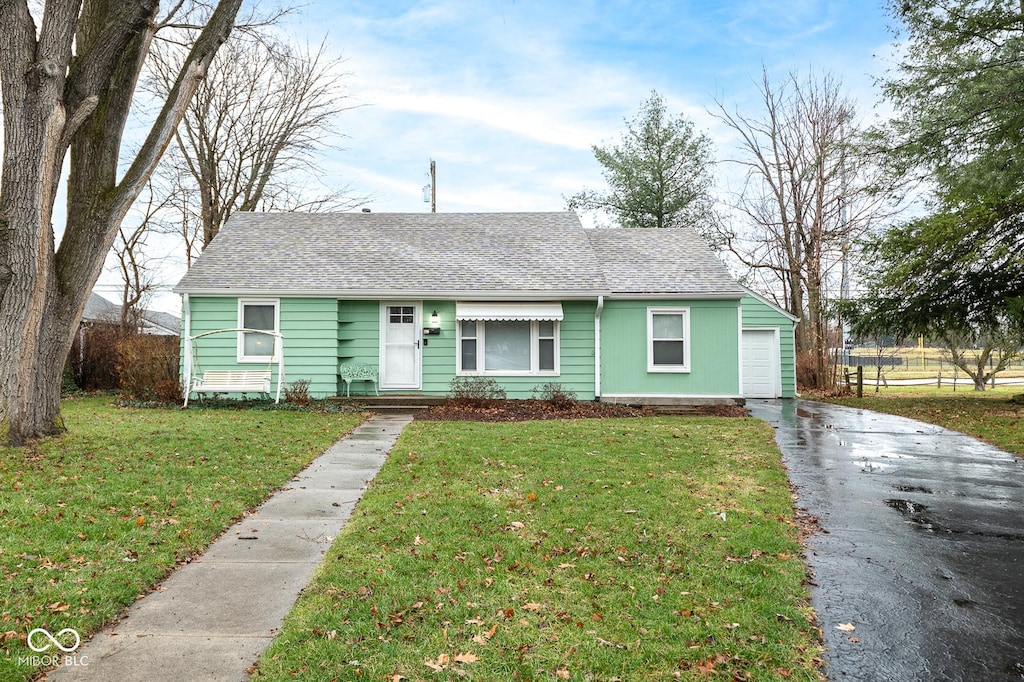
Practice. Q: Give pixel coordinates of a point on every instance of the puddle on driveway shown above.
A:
(912, 489)
(906, 506)
(915, 512)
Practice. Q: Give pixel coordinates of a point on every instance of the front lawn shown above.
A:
(94, 518)
(619, 549)
(987, 415)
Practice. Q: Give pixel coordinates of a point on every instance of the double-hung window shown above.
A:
(668, 339)
(255, 316)
(508, 347)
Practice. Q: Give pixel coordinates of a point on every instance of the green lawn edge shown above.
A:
(630, 549)
(95, 518)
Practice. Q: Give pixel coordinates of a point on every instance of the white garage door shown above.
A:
(760, 364)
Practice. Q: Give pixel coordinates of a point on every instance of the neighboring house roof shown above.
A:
(157, 322)
(100, 310)
(530, 256)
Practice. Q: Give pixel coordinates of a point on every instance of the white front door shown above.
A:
(760, 364)
(400, 345)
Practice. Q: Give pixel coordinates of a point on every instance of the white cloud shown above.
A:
(508, 97)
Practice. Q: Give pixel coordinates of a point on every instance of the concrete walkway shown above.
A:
(211, 619)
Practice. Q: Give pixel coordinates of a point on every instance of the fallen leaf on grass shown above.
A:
(533, 606)
(486, 637)
(445, 662)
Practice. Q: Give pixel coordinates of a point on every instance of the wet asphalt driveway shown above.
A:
(922, 544)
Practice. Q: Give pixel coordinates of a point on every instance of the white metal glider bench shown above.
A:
(357, 371)
(232, 381)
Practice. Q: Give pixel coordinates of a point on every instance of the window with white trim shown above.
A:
(668, 339)
(504, 347)
(263, 315)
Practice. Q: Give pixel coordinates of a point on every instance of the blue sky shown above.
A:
(507, 96)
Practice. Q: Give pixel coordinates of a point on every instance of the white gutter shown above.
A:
(597, 347)
(405, 295)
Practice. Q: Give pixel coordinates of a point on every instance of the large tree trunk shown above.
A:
(53, 101)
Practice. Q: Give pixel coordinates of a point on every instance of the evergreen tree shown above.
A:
(658, 175)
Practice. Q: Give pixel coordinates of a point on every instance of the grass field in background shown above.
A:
(633, 549)
(93, 519)
(917, 362)
(988, 415)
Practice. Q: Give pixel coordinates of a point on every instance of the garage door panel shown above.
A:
(760, 364)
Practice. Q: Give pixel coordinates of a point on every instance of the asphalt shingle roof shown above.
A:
(666, 261)
(446, 254)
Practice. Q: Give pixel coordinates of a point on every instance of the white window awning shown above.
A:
(508, 311)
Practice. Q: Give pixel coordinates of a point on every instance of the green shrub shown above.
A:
(475, 391)
(147, 362)
(555, 394)
(298, 392)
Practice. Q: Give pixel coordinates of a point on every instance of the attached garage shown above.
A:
(768, 357)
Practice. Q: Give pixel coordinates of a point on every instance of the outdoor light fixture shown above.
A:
(435, 326)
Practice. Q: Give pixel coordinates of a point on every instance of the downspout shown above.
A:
(279, 340)
(597, 348)
(739, 372)
(186, 315)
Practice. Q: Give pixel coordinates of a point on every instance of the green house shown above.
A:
(404, 303)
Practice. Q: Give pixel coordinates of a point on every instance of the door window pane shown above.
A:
(401, 314)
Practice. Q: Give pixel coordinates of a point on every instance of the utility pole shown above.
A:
(433, 186)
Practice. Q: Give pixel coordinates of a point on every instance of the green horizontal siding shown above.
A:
(358, 339)
(321, 333)
(439, 353)
(309, 327)
(576, 354)
(714, 350)
(756, 313)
